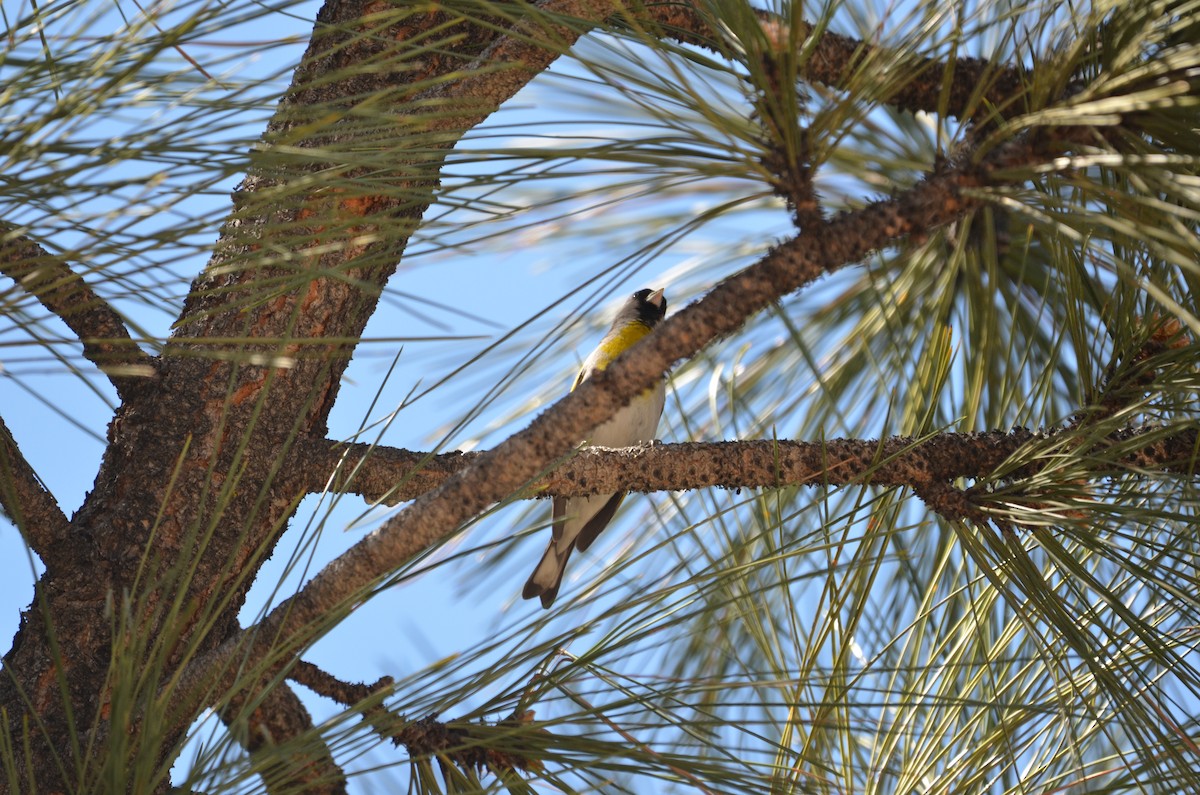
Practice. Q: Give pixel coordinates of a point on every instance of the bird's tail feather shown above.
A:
(548, 575)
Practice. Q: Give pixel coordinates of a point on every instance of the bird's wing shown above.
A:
(597, 523)
(557, 516)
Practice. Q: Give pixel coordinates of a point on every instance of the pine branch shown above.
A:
(457, 743)
(463, 745)
(386, 475)
(390, 476)
(976, 87)
(30, 506)
(269, 723)
(942, 198)
(106, 341)
(348, 694)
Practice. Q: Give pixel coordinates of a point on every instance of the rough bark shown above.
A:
(192, 470)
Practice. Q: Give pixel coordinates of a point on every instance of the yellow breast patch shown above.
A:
(615, 344)
(620, 342)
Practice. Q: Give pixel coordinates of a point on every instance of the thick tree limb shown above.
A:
(28, 504)
(106, 340)
(272, 407)
(390, 476)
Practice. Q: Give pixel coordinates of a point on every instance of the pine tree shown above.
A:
(924, 514)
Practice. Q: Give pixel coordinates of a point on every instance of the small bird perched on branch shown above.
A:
(578, 520)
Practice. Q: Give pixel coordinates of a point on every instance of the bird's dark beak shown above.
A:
(656, 297)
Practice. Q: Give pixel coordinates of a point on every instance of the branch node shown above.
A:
(949, 502)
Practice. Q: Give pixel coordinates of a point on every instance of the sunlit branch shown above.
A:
(25, 499)
(975, 87)
(390, 476)
(106, 340)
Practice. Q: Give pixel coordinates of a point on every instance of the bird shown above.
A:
(576, 521)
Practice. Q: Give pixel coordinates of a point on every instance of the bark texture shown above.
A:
(192, 470)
